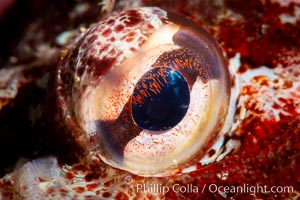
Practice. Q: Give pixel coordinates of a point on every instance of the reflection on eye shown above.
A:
(160, 99)
(154, 95)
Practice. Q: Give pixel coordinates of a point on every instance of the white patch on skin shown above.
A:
(217, 147)
(292, 19)
(192, 168)
(286, 3)
(265, 97)
(27, 185)
(63, 187)
(231, 146)
(47, 168)
(33, 178)
(234, 64)
(223, 175)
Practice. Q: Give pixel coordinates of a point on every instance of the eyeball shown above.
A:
(146, 90)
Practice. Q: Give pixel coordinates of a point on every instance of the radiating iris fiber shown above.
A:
(160, 99)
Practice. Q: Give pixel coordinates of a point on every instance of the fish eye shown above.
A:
(147, 91)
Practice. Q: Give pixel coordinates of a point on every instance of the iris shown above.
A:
(160, 99)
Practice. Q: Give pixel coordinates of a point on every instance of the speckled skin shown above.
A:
(265, 120)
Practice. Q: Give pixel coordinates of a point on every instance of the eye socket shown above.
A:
(155, 104)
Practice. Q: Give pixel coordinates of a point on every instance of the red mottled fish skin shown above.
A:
(261, 45)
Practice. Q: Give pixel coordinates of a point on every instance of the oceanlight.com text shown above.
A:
(212, 188)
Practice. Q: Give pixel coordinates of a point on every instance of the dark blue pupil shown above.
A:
(160, 99)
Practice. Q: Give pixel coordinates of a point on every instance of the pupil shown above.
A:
(160, 99)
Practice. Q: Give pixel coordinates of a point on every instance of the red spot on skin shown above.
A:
(199, 166)
(287, 84)
(100, 67)
(248, 90)
(133, 18)
(69, 175)
(112, 52)
(84, 45)
(93, 50)
(92, 39)
(92, 176)
(63, 191)
(119, 28)
(131, 34)
(211, 152)
(141, 41)
(123, 37)
(79, 189)
(50, 191)
(150, 26)
(262, 80)
(106, 33)
(121, 196)
(91, 187)
(106, 194)
(129, 39)
(276, 106)
(110, 22)
(242, 69)
(289, 106)
(108, 183)
(89, 196)
(103, 48)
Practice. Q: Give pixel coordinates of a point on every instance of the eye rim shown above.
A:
(92, 137)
